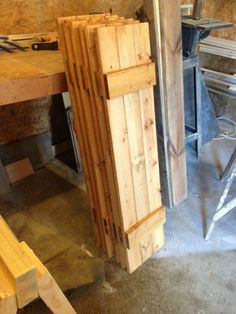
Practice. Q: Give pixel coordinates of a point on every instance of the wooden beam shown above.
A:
(18, 267)
(166, 40)
(8, 303)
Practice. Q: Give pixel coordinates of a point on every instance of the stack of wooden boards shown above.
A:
(219, 82)
(23, 277)
(219, 47)
(110, 79)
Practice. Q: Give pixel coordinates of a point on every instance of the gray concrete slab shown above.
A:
(189, 275)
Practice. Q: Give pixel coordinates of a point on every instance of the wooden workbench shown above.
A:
(30, 74)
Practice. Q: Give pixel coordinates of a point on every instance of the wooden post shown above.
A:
(166, 38)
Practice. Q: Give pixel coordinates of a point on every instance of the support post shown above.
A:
(166, 39)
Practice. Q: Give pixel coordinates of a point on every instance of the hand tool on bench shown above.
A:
(52, 45)
(6, 47)
(10, 46)
(16, 45)
(44, 43)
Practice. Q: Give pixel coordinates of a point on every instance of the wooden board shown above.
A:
(48, 289)
(219, 46)
(167, 52)
(130, 142)
(19, 170)
(20, 271)
(130, 80)
(8, 304)
(120, 133)
(31, 74)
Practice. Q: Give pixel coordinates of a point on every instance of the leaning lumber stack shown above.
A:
(110, 79)
(23, 278)
(219, 47)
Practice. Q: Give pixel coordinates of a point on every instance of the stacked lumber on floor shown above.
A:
(110, 78)
(219, 47)
(23, 277)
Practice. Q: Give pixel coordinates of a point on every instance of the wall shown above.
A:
(26, 16)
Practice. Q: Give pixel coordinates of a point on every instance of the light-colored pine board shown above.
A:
(145, 238)
(96, 148)
(127, 121)
(148, 121)
(98, 90)
(128, 56)
(150, 147)
(81, 133)
(118, 126)
(19, 170)
(143, 248)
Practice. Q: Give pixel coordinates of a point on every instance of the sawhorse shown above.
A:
(221, 211)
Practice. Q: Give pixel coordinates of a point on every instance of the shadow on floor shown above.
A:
(50, 211)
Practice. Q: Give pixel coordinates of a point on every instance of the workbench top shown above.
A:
(30, 74)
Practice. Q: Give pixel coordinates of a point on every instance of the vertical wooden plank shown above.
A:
(87, 104)
(165, 17)
(127, 58)
(80, 126)
(143, 56)
(97, 102)
(150, 147)
(137, 155)
(98, 89)
(8, 304)
(109, 56)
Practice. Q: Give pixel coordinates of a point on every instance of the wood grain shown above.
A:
(130, 80)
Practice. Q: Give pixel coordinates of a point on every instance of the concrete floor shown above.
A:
(50, 212)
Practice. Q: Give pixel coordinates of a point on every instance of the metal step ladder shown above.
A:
(222, 210)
